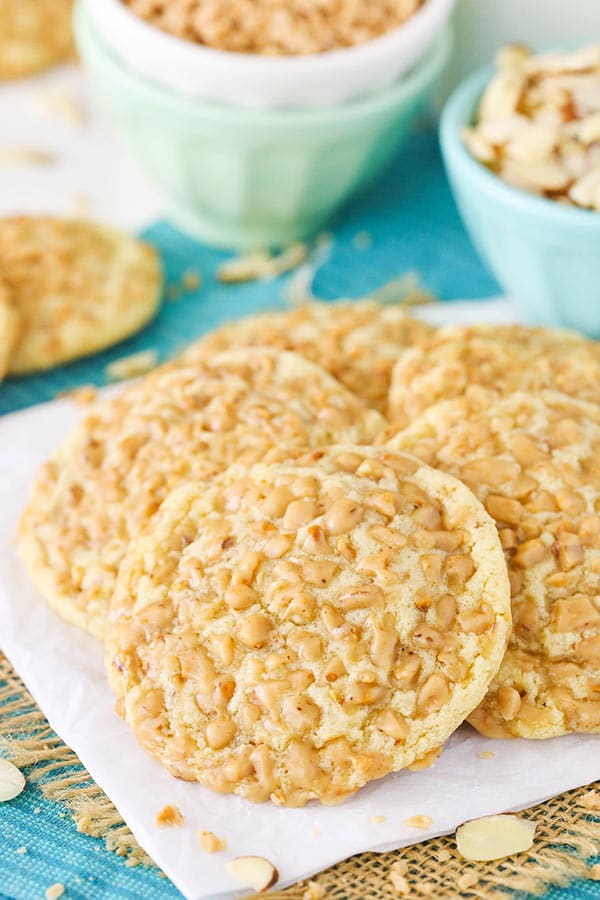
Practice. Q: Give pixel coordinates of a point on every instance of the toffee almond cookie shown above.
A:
(534, 462)
(292, 632)
(79, 288)
(503, 358)
(34, 34)
(9, 328)
(103, 485)
(358, 343)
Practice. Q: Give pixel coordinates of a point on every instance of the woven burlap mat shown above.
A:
(567, 835)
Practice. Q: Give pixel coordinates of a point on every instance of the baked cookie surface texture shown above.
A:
(78, 287)
(292, 632)
(534, 462)
(103, 485)
(357, 342)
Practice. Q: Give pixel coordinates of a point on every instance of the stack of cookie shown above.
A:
(301, 542)
(68, 289)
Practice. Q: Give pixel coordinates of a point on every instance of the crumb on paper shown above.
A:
(21, 850)
(420, 822)
(468, 880)
(210, 843)
(315, 832)
(25, 156)
(169, 816)
(377, 820)
(362, 240)
(486, 754)
(82, 395)
(191, 280)
(55, 891)
(131, 366)
(314, 891)
(80, 206)
(398, 877)
(261, 265)
(59, 105)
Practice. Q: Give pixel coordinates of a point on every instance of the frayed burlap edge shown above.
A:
(567, 835)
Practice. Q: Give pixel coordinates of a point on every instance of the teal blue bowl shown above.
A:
(252, 177)
(545, 255)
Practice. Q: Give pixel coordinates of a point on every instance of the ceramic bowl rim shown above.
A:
(423, 75)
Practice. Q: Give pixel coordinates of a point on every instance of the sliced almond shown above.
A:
(478, 146)
(12, 781)
(533, 143)
(502, 95)
(512, 56)
(538, 176)
(586, 190)
(588, 130)
(254, 872)
(494, 837)
(581, 60)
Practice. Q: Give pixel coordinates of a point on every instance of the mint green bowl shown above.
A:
(545, 255)
(253, 177)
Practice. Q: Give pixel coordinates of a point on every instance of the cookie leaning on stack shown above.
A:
(357, 342)
(77, 288)
(292, 632)
(501, 358)
(180, 423)
(533, 462)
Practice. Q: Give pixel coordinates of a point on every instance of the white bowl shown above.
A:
(248, 79)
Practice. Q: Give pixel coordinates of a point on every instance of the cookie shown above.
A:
(103, 485)
(291, 632)
(79, 288)
(357, 342)
(533, 461)
(503, 358)
(9, 328)
(35, 34)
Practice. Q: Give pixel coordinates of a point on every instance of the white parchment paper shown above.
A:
(63, 668)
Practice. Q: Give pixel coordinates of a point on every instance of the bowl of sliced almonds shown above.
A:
(521, 144)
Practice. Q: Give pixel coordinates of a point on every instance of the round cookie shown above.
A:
(292, 631)
(503, 358)
(9, 328)
(79, 288)
(103, 485)
(357, 342)
(35, 34)
(534, 463)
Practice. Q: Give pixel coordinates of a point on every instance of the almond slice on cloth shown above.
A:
(254, 872)
(494, 837)
(12, 781)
